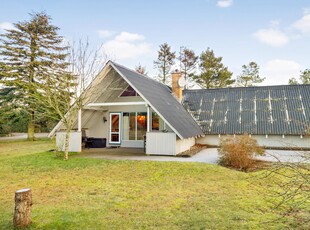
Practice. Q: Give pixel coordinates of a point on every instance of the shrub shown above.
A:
(238, 152)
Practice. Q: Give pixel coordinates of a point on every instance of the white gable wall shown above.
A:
(184, 145)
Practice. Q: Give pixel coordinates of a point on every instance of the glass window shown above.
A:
(129, 92)
(125, 126)
(155, 121)
(134, 125)
(115, 123)
(114, 128)
(114, 137)
(141, 125)
(129, 126)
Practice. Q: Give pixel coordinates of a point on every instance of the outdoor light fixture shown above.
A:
(104, 120)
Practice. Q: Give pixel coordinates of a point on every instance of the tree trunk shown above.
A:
(22, 211)
(31, 127)
(67, 139)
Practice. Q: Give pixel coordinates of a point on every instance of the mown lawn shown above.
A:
(104, 194)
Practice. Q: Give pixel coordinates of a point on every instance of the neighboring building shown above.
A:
(277, 116)
(123, 107)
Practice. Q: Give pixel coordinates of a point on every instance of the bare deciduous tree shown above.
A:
(165, 61)
(188, 61)
(289, 186)
(84, 65)
(141, 69)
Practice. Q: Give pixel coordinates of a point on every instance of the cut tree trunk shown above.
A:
(22, 211)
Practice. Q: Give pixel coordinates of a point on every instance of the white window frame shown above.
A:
(119, 128)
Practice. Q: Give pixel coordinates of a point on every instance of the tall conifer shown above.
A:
(31, 55)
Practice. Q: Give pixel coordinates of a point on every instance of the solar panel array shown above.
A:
(254, 110)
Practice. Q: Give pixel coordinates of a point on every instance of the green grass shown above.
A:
(86, 193)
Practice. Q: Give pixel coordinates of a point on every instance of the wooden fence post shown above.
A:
(22, 211)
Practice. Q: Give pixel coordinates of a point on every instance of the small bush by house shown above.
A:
(238, 152)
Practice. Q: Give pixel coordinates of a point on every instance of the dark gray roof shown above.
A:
(255, 110)
(160, 99)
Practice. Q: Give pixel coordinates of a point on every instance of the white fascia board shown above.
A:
(116, 103)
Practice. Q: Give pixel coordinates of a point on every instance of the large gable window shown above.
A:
(129, 92)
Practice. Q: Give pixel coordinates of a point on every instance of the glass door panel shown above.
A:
(115, 127)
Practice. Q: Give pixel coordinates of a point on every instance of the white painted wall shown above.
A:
(184, 145)
(133, 143)
(96, 127)
(286, 142)
(75, 142)
(159, 143)
(271, 141)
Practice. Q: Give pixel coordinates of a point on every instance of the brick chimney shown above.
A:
(176, 88)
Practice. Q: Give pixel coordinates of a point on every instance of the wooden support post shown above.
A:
(22, 211)
(148, 119)
(80, 120)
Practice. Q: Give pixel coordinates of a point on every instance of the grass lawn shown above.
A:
(104, 194)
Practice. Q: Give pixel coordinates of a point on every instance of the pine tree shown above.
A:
(250, 75)
(30, 54)
(165, 61)
(304, 78)
(213, 72)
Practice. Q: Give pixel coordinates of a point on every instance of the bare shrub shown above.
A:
(238, 152)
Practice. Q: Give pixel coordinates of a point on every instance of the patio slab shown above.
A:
(209, 155)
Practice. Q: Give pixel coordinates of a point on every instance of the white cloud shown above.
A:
(127, 46)
(105, 33)
(303, 24)
(6, 26)
(224, 3)
(129, 37)
(279, 71)
(272, 37)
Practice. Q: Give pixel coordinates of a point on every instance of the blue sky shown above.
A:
(274, 33)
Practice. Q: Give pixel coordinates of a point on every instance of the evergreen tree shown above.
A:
(250, 75)
(213, 73)
(304, 78)
(30, 54)
(165, 61)
(188, 61)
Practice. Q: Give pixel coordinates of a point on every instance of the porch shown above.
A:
(136, 154)
(111, 153)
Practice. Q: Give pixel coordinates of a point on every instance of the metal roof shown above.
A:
(159, 97)
(254, 110)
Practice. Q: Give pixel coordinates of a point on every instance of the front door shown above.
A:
(115, 128)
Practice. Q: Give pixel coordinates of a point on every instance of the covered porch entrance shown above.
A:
(121, 124)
